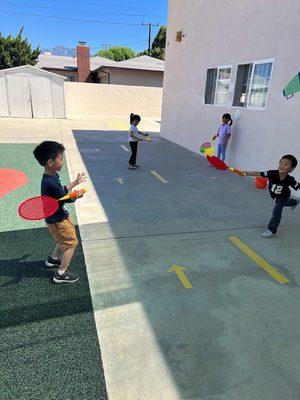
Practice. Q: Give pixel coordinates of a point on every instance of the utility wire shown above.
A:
(91, 21)
(92, 47)
(79, 10)
(113, 6)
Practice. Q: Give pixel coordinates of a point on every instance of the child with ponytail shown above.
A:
(224, 133)
(134, 139)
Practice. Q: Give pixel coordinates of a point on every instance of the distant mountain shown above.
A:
(61, 51)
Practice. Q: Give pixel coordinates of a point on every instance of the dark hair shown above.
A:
(228, 116)
(291, 158)
(134, 117)
(47, 151)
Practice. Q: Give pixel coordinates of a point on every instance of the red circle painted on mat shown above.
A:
(11, 179)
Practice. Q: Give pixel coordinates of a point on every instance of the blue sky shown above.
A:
(52, 32)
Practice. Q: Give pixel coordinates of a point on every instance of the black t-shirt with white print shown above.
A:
(280, 189)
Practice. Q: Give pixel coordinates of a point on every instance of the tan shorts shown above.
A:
(64, 233)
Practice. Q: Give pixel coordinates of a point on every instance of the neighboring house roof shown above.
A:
(145, 63)
(97, 62)
(30, 70)
(57, 62)
(70, 63)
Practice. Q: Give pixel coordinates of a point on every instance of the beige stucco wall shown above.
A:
(121, 76)
(85, 101)
(229, 33)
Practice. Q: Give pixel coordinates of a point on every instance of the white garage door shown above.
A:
(19, 99)
(41, 97)
(4, 111)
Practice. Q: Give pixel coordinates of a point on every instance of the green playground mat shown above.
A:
(49, 344)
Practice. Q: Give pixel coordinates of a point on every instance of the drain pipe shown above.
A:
(107, 74)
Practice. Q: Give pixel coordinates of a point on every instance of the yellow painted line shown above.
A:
(159, 177)
(259, 260)
(124, 147)
(179, 271)
(119, 125)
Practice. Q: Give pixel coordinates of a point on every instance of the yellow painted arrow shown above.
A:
(179, 271)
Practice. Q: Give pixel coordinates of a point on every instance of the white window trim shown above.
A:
(218, 69)
(269, 60)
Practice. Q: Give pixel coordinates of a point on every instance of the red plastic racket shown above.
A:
(40, 207)
(219, 164)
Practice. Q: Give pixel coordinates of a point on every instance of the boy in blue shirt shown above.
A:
(51, 156)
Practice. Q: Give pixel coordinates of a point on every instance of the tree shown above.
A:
(16, 51)
(158, 45)
(117, 53)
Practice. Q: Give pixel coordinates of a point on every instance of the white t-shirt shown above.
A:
(135, 130)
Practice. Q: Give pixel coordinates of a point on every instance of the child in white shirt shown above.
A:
(134, 139)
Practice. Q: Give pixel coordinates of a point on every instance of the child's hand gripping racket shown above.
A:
(148, 139)
(40, 207)
(219, 164)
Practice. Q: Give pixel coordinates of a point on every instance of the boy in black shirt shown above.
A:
(279, 187)
(50, 156)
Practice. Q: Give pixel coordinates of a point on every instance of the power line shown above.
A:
(81, 11)
(92, 46)
(149, 34)
(113, 6)
(93, 21)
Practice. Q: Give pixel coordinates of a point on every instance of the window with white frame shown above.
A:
(217, 85)
(252, 84)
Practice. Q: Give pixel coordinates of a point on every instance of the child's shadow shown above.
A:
(17, 269)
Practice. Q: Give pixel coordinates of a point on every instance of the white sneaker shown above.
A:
(293, 207)
(268, 234)
(131, 167)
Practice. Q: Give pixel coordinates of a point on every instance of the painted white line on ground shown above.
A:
(124, 147)
(159, 177)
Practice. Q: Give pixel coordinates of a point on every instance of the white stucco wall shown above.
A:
(231, 32)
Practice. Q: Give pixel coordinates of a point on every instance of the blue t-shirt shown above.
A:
(51, 186)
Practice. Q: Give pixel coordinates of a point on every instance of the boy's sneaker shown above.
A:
(52, 262)
(132, 167)
(137, 166)
(296, 205)
(268, 234)
(67, 277)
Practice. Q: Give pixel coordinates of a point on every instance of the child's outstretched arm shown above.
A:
(80, 178)
(251, 173)
(294, 184)
(132, 134)
(144, 134)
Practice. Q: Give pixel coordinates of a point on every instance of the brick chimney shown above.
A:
(83, 62)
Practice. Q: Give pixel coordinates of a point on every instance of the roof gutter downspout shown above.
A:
(107, 74)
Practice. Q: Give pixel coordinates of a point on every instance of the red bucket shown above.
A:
(260, 182)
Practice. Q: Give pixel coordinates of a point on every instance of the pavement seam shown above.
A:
(182, 233)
